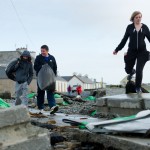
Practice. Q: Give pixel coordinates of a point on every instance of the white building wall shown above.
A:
(76, 81)
(85, 86)
(33, 54)
(99, 85)
(61, 86)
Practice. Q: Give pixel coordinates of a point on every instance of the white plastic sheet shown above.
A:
(139, 124)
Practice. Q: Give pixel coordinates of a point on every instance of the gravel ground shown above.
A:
(87, 108)
(80, 107)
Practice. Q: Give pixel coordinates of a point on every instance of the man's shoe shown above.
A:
(129, 77)
(53, 109)
(40, 111)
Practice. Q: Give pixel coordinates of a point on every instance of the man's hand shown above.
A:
(114, 52)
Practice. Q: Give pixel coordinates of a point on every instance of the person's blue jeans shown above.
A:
(40, 98)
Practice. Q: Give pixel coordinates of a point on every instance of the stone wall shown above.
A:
(7, 85)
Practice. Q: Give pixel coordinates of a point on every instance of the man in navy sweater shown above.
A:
(45, 58)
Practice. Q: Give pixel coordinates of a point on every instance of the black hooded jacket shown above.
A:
(40, 60)
(24, 69)
(136, 39)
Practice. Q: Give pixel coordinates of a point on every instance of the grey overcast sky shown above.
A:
(81, 34)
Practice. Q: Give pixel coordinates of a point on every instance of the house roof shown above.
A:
(58, 78)
(67, 78)
(8, 56)
(83, 79)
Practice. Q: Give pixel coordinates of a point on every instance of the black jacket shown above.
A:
(136, 39)
(40, 60)
(24, 72)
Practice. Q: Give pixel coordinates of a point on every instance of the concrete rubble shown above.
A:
(124, 104)
(17, 133)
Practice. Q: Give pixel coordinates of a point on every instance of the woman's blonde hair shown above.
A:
(134, 14)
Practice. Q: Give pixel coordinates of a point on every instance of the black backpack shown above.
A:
(10, 69)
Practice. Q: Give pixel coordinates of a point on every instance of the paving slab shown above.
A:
(113, 141)
(59, 116)
(124, 104)
(13, 115)
(37, 143)
(17, 133)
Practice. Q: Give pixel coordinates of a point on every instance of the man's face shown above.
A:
(44, 52)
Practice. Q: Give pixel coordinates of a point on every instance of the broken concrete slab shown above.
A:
(13, 115)
(37, 143)
(18, 133)
(124, 104)
(111, 141)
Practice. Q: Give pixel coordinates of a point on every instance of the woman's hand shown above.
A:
(114, 52)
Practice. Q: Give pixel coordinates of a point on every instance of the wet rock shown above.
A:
(5, 95)
(43, 125)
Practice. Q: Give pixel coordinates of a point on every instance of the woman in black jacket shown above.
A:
(137, 52)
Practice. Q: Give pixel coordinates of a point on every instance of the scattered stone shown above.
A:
(56, 139)
(51, 122)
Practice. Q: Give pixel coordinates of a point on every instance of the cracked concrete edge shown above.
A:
(13, 115)
(118, 142)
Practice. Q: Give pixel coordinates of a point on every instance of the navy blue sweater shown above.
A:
(40, 60)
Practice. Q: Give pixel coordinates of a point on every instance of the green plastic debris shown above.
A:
(3, 104)
(31, 95)
(90, 98)
(125, 118)
(57, 96)
(83, 125)
(65, 103)
(93, 113)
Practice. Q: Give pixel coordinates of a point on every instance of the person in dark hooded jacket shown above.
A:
(23, 77)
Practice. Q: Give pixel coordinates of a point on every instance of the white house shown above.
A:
(61, 84)
(84, 81)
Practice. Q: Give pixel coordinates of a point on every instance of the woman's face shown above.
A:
(137, 19)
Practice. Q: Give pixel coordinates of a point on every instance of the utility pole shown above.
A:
(102, 82)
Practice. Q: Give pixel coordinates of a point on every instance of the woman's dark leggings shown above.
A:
(140, 58)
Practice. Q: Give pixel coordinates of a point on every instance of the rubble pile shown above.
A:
(16, 131)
